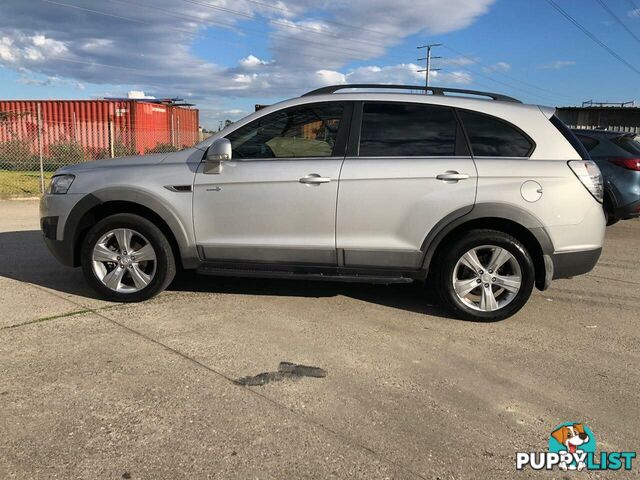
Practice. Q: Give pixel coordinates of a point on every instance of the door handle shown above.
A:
(452, 175)
(314, 179)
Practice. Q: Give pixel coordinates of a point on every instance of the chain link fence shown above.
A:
(31, 150)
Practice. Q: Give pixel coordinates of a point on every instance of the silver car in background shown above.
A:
(478, 194)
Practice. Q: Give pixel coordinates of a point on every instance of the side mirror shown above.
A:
(218, 152)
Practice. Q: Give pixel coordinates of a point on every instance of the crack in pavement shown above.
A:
(305, 418)
(57, 317)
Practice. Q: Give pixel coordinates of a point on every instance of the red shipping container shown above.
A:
(104, 128)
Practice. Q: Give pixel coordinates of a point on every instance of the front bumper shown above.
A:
(55, 211)
(61, 250)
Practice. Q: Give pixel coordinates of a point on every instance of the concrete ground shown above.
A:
(90, 389)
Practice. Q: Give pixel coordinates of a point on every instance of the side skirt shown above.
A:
(308, 273)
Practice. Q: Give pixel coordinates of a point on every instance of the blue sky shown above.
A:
(226, 55)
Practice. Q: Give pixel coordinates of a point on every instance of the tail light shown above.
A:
(589, 174)
(628, 163)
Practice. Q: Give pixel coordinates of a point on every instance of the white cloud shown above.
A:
(21, 48)
(497, 67)
(557, 64)
(457, 61)
(6, 50)
(252, 61)
(330, 77)
(309, 44)
(404, 73)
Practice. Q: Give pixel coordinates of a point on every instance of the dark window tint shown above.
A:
(407, 130)
(490, 137)
(302, 131)
(588, 142)
(629, 143)
(604, 145)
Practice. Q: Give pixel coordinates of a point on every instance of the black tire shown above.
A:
(611, 218)
(165, 267)
(475, 238)
(608, 210)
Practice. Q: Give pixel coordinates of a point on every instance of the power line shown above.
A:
(504, 74)
(201, 21)
(277, 22)
(544, 97)
(591, 35)
(233, 26)
(332, 22)
(112, 15)
(129, 19)
(618, 20)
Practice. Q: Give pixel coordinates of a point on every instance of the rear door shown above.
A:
(408, 167)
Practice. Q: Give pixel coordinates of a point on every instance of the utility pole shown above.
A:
(428, 58)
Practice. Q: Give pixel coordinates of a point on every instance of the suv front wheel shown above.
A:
(126, 258)
(487, 275)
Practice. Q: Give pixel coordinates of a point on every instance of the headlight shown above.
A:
(61, 183)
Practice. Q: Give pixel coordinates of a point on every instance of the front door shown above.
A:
(275, 200)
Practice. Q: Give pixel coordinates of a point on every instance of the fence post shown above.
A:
(40, 148)
(171, 129)
(111, 137)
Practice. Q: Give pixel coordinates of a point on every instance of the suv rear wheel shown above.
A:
(126, 258)
(608, 211)
(485, 276)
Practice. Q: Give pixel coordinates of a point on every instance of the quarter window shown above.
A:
(491, 137)
(407, 130)
(298, 132)
(588, 142)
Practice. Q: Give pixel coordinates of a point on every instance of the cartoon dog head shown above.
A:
(571, 436)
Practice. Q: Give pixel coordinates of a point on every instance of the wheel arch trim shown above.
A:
(72, 228)
(493, 212)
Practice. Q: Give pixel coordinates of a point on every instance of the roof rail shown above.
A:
(433, 90)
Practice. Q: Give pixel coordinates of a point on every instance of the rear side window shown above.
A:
(629, 143)
(407, 130)
(607, 145)
(491, 137)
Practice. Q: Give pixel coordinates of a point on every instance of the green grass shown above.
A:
(19, 182)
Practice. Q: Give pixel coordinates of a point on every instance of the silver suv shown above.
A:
(477, 193)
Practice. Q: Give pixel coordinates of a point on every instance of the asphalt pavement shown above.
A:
(92, 389)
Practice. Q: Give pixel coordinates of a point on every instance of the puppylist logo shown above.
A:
(572, 446)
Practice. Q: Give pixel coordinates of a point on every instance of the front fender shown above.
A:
(175, 212)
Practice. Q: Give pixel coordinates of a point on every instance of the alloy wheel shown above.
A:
(487, 278)
(124, 260)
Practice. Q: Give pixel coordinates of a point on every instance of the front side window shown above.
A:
(297, 132)
(491, 137)
(407, 130)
